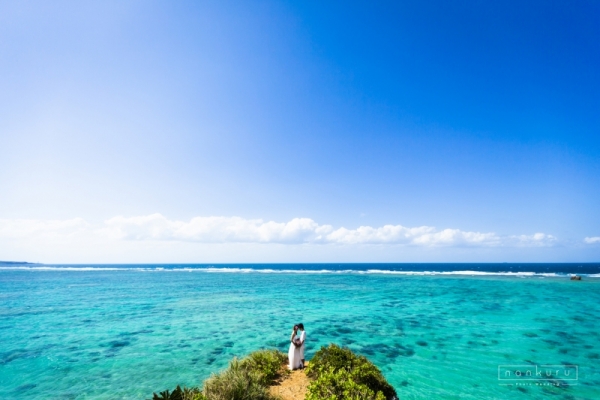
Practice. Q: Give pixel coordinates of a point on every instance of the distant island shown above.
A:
(18, 263)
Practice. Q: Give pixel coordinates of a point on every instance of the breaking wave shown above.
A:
(43, 268)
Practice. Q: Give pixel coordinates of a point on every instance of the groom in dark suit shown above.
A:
(302, 339)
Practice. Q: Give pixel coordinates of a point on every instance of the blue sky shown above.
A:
(121, 122)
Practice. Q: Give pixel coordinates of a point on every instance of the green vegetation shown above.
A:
(338, 373)
(269, 364)
(180, 394)
(238, 382)
(245, 379)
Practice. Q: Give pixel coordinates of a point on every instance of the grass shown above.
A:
(336, 373)
(248, 378)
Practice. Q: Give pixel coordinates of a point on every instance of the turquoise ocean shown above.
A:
(447, 331)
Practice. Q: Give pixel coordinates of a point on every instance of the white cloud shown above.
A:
(592, 240)
(213, 229)
(537, 239)
(157, 228)
(26, 228)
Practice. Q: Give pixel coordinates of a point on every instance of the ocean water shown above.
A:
(435, 331)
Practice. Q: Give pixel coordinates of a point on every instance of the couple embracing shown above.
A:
(296, 352)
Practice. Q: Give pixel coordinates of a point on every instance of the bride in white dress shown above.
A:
(294, 352)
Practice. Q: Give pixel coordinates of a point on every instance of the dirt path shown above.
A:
(293, 387)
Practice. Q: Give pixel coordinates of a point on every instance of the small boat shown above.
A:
(575, 278)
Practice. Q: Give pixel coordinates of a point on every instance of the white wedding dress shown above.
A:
(294, 357)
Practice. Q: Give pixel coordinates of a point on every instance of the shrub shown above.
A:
(269, 364)
(338, 373)
(180, 394)
(245, 379)
(238, 382)
(340, 384)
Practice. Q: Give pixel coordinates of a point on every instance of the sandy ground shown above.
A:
(293, 387)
